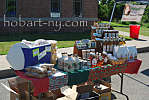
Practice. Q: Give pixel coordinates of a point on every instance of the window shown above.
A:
(11, 8)
(77, 8)
(55, 6)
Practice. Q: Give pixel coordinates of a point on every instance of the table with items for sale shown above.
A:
(92, 61)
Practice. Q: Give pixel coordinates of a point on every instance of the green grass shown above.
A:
(114, 23)
(64, 39)
(4, 46)
(144, 30)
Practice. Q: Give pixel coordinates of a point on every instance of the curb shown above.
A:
(10, 72)
(143, 50)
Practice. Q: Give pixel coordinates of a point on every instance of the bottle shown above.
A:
(111, 46)
(85, 66)
(97, 56)
(105, 60)
(94, 62)
(100, 57)
(60, 62)
(65, 63)
(88, 53)
(76, 62)
(70, 62)
(104, 44)
(89, 63)
(93, 51)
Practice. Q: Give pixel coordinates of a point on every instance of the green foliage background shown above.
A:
(105, 10)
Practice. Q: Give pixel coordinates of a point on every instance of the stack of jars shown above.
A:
(96, 58)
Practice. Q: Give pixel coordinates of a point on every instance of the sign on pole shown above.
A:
(133, 12)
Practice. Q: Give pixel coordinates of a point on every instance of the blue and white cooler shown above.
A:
(26, 53)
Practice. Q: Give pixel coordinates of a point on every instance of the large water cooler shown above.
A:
(22, 55)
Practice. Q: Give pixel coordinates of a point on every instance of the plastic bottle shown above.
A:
(61, 62)
(94, 62)
(89, 63)
(76, 62)
(65, 63)
(70, 63)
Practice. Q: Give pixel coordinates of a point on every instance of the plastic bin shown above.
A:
(134, 31)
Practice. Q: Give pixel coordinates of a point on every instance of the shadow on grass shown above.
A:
(66, 36)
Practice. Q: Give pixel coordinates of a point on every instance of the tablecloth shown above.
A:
(133, 66)
(80, 76)
(98, 73)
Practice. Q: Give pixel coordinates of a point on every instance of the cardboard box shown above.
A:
(14, 96)
(57, 80)
(18, 84)
(45, 96)
(85, 87)
(105, 96)
(105, 87)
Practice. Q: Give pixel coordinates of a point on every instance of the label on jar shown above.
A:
(104, 47)
(107, 48)
(94, 62)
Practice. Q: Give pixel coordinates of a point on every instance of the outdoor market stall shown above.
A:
(93, 60)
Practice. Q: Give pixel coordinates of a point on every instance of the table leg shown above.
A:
(29, 89)
(121, 83)
(40, 95)
(121, 88)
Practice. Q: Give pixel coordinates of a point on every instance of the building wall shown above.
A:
(90, 8)
(34, 8)
(66, 8)
(41, 9)
(2, 8)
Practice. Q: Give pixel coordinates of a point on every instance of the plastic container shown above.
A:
(134, 31)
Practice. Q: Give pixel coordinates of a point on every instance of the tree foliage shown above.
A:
(105, 10)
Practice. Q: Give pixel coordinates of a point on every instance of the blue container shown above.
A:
(32, 59)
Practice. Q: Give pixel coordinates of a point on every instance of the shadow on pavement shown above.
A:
(137, 80)
(145, 72)
(140, 39)
(113, 96)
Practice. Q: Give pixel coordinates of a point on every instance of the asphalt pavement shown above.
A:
(136, 86)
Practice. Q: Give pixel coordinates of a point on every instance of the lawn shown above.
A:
(143, 30)
(125, 27)
(4, 46)
(64, 39)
